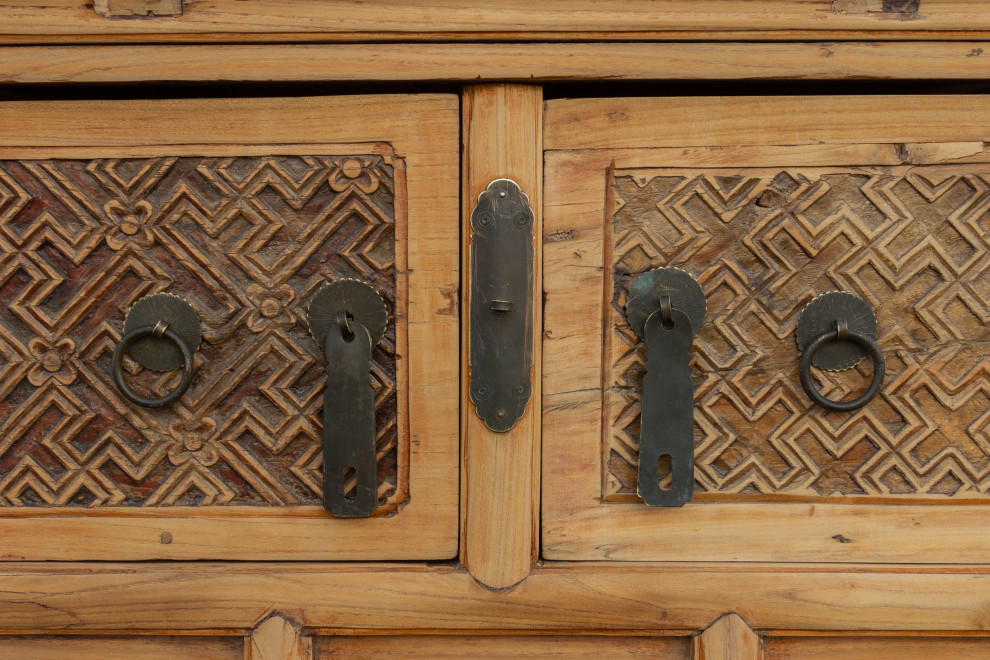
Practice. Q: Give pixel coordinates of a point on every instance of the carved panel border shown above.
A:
(912, 241)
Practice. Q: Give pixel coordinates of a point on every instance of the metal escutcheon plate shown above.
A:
(502, 272)
(820, 315)
(357, 298)
(158, 353)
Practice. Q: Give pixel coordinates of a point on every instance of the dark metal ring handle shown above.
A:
(841, 332)
(140, 333)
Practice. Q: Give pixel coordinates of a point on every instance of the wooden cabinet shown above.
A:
(240, 154)
(768, 203)
(244, 209)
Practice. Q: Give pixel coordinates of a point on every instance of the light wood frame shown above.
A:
(501, 471)
(388, 20)
(561, 598)
(586, 140)
(424, 131)
(501, 62)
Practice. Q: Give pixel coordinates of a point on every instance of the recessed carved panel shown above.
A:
(913, 242)
(247, 241)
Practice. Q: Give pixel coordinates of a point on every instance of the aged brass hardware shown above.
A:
(161, 333)
(666, 308)
(836, 331)
(501, 339)
(347, 318)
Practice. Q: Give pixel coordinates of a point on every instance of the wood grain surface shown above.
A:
(576, 524)
(500, 489)
(763, 244)
(247, 242)
(424, 130)
(544, 62)
(442, 647)
(386, 19)
(230, 598)
(881, 647)
(729, 638)
(148, 647)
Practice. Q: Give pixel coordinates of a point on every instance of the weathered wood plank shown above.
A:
(632, 123)
(504, 62)
(274, 19)
(729, 638)
(576, 597)
(500, 471)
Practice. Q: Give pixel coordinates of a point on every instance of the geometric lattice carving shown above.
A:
(248, 242)
(912, 241)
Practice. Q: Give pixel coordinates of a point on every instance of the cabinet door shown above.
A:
(243, 208)
(768, 203)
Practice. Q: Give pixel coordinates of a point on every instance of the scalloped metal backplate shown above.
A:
(502, 267)
(158, 353)
(357, 298)
(819, 316)
(685, 294)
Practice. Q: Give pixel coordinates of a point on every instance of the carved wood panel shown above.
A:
(912, 241)
(247, 241)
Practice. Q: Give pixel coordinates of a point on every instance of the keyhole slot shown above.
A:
(350, 483)
(665, 471)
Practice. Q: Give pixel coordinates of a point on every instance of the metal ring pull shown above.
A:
(842, 333)
(836, 331)
(125, 344)
(161, 333)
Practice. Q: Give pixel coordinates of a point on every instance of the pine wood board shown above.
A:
(576, 525)
(729, 638)
(424, 130)
(134, 648)
(883, 647)
(545, 62)
(262, 18)
(225, 598)
(500, 489)
(619, 647)
(276, 638)
(632, 123)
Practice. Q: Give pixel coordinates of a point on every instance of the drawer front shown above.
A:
(502, 646)
(766, 217)
(245, 222)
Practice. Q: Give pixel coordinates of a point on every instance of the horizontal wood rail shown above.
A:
(231, 598)
(362, 20)
(548, 62)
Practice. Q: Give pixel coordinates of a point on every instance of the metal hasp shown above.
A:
(348, 319)
(161, 333)
(501, 339)
(666, 308)
(836, 331)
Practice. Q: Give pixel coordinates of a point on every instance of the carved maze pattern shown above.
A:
(247, 241)
(913, 242)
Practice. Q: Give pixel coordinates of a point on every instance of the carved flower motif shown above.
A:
(355, 174)
(270, 306)
(52, 361)
(193, 441)
(131, 224)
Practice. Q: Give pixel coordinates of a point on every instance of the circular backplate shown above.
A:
(684, 291)
(820, 315)
(360, 300)
(158, 353)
